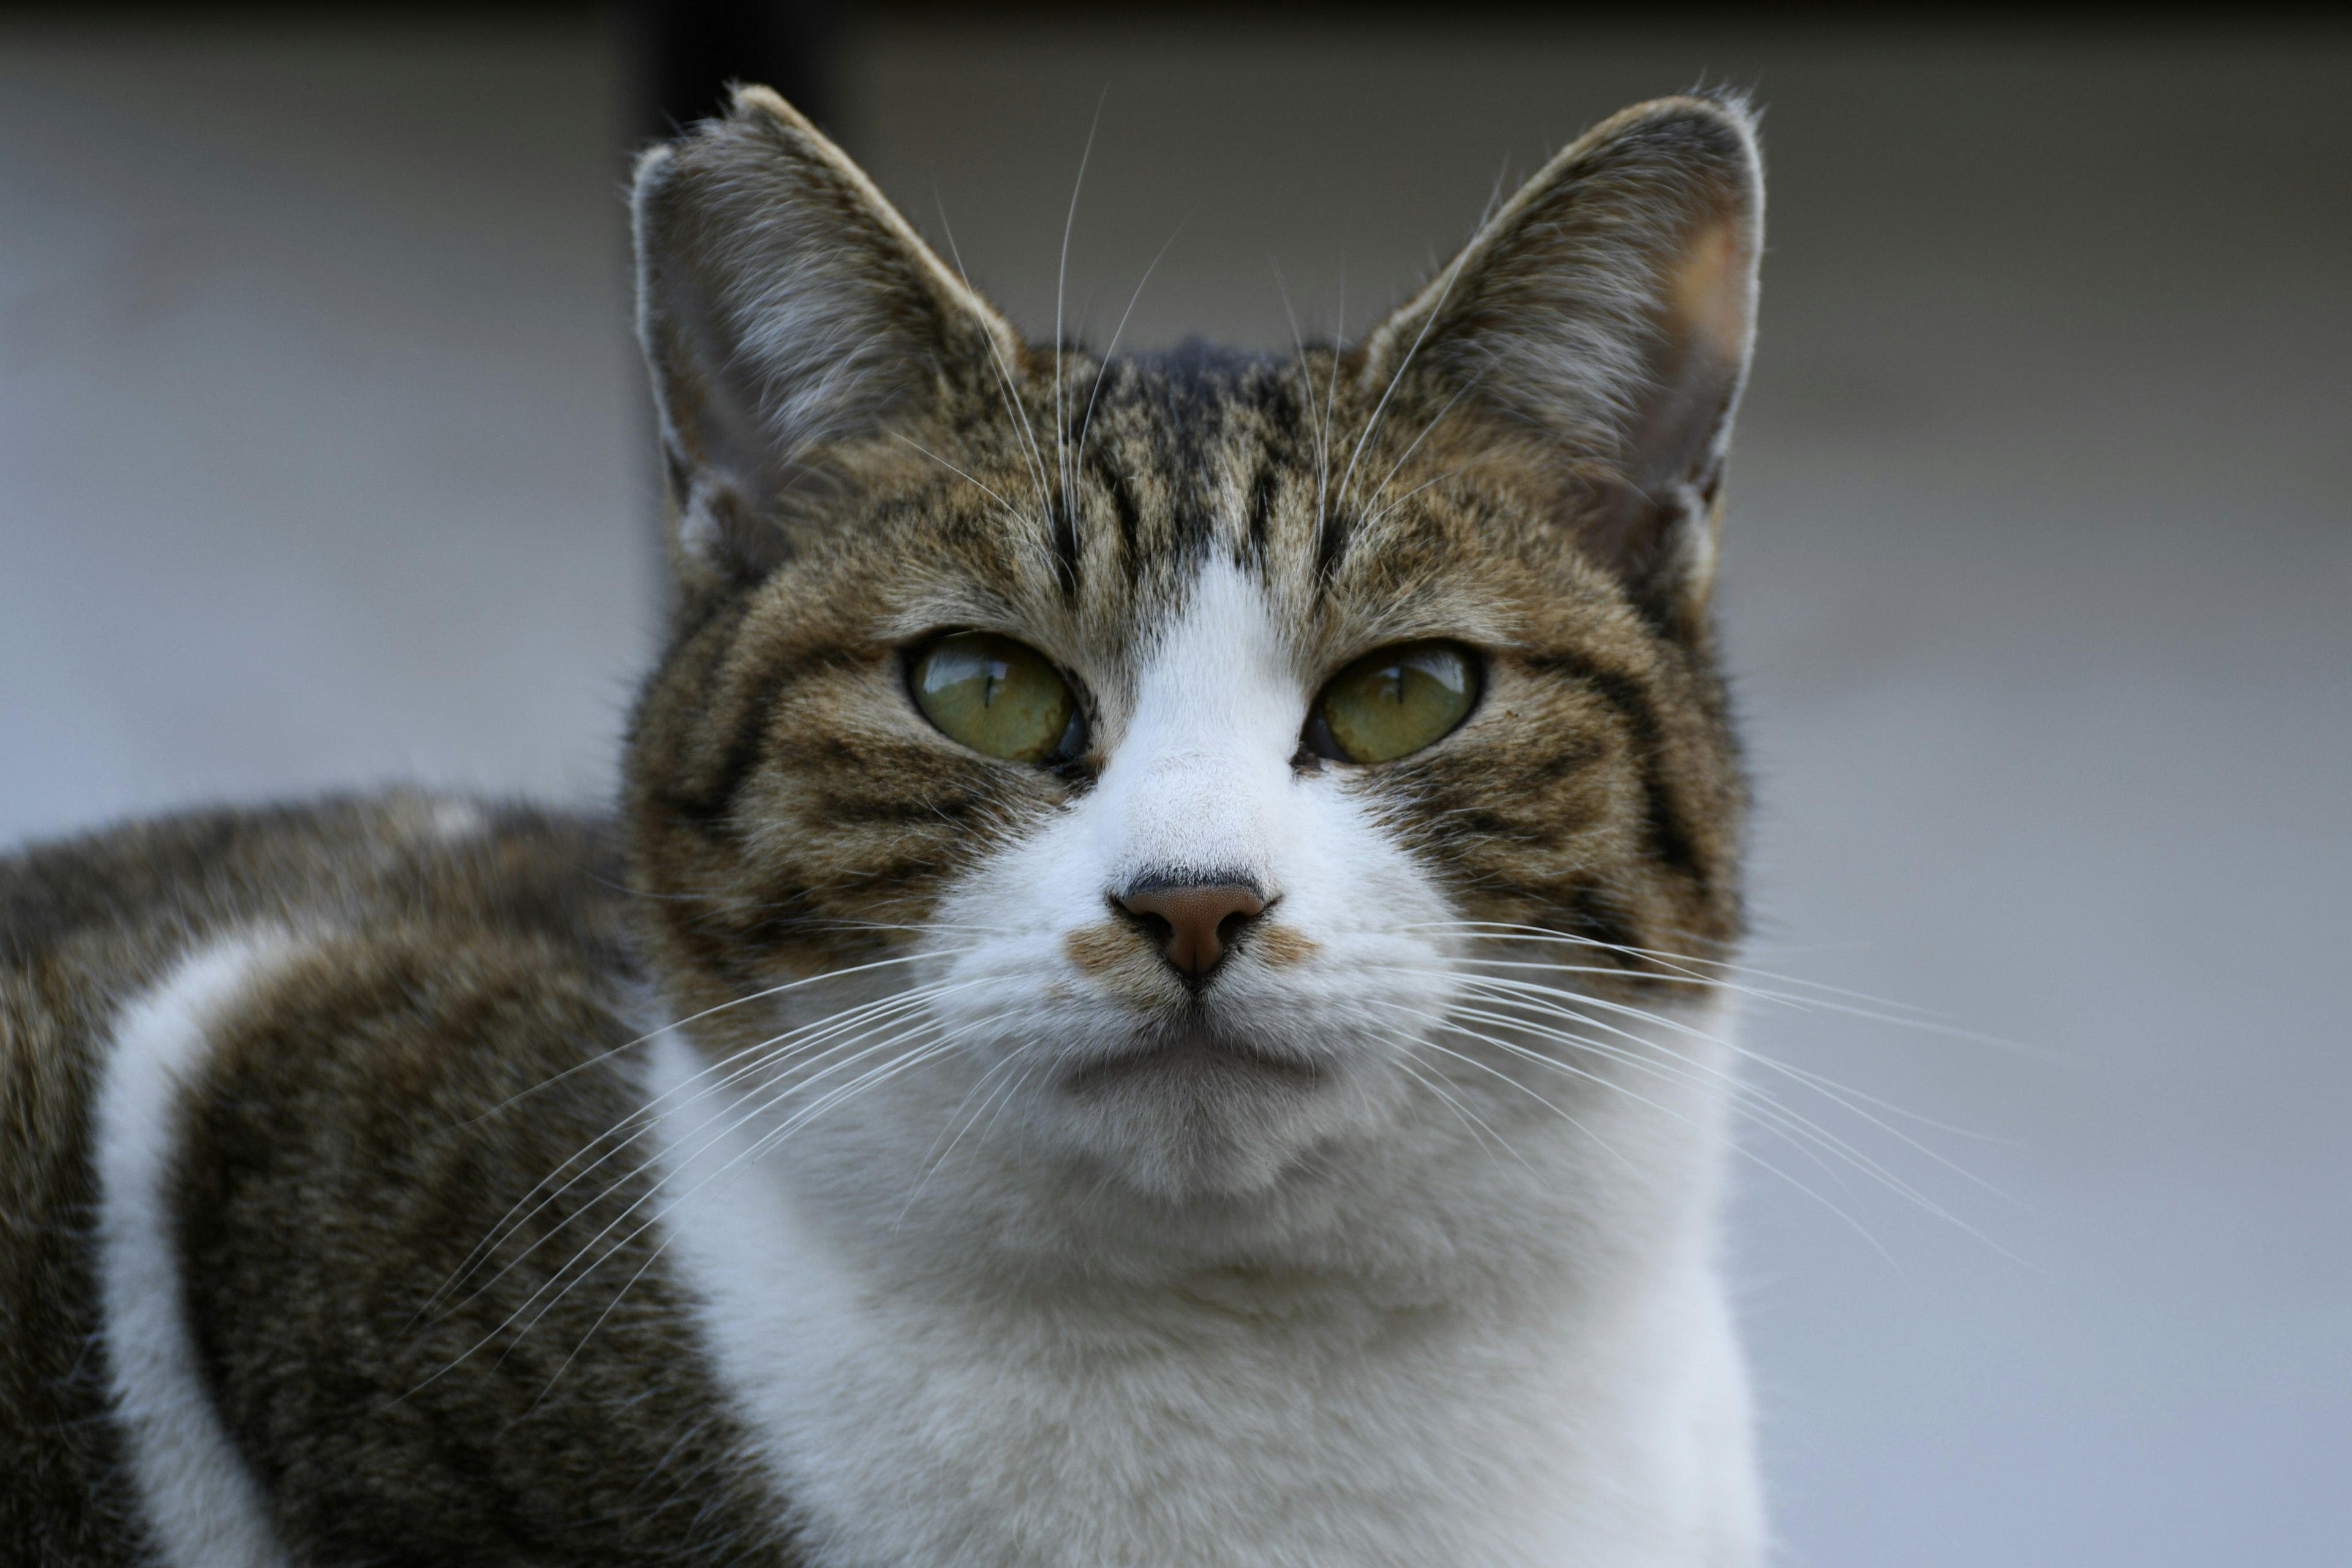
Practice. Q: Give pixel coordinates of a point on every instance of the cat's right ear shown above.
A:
(788, 314)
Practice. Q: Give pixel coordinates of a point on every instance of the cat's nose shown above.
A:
(1195, 921)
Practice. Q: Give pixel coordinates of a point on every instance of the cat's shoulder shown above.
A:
(346, 1085)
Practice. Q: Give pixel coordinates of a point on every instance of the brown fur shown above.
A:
(1099, 949)
(1281, 945)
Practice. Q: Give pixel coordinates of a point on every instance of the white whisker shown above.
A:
(859, 1022)
(1571, 1070)
(642, 1115)
(562, 1287)
(1060, 278)
(1445, 292)
(1004, 380)
(1559, 1000)
(1435, 420)
(1102, 367)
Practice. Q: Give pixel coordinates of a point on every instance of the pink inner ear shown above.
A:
(1707, 294)
(1703, 304)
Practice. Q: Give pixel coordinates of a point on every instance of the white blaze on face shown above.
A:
(1201, 785)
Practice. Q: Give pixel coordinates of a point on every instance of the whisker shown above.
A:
(697, 1017)
(921, 1054)
(1061, 278)
(1102, 367)
(562, 1287)
(934, 1157)
(1011, 512)
(1445, 1022)
(1306, 382)
(1802, 1004)
(1559, 1000)
(1861, 1229)
(1478, 1125)
(860, 1020)
(1013, 405)
(1557, 1003)
(1498, 930)
(874, 1077)
(1801, 1131)
(1445, 292)
(1374, 520)
(1434, 421)
(831, 1021)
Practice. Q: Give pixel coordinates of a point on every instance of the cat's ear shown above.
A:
(788, 313)
(1605, 313)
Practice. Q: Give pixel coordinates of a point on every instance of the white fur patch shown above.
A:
(201, 1507)
(459, 819)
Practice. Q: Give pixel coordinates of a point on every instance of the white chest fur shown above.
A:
(918, 1417)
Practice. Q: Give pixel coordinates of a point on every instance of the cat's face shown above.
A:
(1199, 747)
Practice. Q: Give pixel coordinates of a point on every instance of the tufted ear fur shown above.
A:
(1605, 313)
(788, 313)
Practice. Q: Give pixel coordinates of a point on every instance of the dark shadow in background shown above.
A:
(684, 53)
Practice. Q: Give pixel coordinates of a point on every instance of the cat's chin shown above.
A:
(1199, 1113)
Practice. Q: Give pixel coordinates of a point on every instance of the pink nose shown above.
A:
(1201, 922)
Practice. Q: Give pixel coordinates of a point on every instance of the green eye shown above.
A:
(1392, 703)
(995, 696)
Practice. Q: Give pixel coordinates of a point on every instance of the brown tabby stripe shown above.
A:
(1670, 842)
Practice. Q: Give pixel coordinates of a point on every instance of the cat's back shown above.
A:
(88, 922)
(271, 1082)
(107, 908)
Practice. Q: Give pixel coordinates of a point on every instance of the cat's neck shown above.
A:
(1449, 1353)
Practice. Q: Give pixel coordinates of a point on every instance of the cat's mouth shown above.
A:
(1195, 1054)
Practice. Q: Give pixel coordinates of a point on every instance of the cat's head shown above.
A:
(1190, 751)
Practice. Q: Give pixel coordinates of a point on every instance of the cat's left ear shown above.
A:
(1605, 313)
(791, 318)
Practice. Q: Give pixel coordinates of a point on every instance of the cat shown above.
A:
(1149, 998)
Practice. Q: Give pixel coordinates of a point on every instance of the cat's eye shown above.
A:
(1392, 703)
(997, 696)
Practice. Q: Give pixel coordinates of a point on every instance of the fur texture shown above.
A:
(827, 1166)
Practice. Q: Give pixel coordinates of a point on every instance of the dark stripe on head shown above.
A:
(1125, 507)
(1261, 509)
(1064, 546)
(1332, 544)
(709, 810)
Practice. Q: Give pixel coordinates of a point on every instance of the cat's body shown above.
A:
(1181, 1136)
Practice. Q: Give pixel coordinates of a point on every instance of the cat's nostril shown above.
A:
(1200, 920)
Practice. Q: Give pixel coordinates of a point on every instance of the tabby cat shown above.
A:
(1150, 999)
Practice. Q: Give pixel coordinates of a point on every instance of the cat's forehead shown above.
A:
(1092, 532)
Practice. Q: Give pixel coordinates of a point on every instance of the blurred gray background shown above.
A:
(322, 462)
